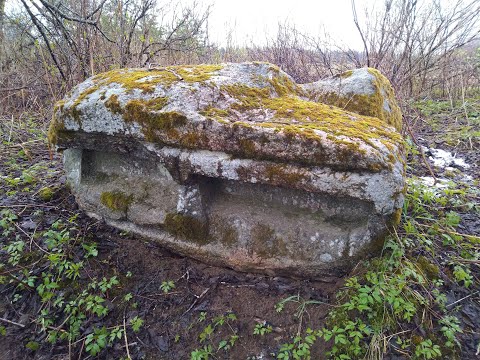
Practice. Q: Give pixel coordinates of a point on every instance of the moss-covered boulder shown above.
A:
(236, 164)
(363, 91)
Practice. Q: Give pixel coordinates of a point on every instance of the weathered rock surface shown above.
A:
(236, 164)
(364, 91)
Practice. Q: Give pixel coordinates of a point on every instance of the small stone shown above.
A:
(28, 225)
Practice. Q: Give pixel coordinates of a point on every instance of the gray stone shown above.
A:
(233, 164)
(364, 91)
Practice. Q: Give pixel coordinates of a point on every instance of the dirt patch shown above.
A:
(173, 320)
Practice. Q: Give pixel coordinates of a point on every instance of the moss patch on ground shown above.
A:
(46, 193)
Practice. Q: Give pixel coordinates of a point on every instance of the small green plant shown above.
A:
(32, 345)
(136, 323)
(450, 327)
(300, 347)
(221, 321)
(202, 354)
(281, 304)
(462, 273)
(116, 334)
(373, 307)
(202, 316)
(262, 329)
(167, 286)
(427, 350)
(46, 193)
(96, 341)
(7, 220)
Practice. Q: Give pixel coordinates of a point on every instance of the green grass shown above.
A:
(457, 123)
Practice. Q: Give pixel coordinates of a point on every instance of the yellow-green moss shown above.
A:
(196, 73)
(297, 117)
(147, 79)
(265, 243)
(113, 104)
(214, 113)
(146, 114)
(116, 200)
(430, 270)
(73, 111)
(192, 140)
(138, 79)
(84, 94)
(224, 232)
(54, 130)
(56, 125)
(284, 86)
(277, 174)
(186, 227)
(369, 104)
(396, 217)
(46, 193)
(294, 117)
(247, 148)
(346, 74)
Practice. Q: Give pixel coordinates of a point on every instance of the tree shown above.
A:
(2, 17)
(408, 39)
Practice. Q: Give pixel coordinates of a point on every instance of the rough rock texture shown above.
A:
(236, 164)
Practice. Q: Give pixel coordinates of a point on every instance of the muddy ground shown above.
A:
(173, 321)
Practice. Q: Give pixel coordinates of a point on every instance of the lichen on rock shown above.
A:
(238, 165)
(223, 108)
(365, 91)
(116, 200)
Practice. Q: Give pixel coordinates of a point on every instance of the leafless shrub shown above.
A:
(408, 40)
(50, 45)
(47, 46)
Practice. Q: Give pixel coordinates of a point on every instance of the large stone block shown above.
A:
(236, 164)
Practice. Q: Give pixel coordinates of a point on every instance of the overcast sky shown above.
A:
(254, 20)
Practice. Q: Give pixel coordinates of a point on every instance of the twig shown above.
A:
(125, 336)
(196, 300)
(81, 349)
(12, 322)
(13, 89)
(130, 344)
(465, 297)
(10, 133)
(236, 285)
(29, 205)
(421, 152)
